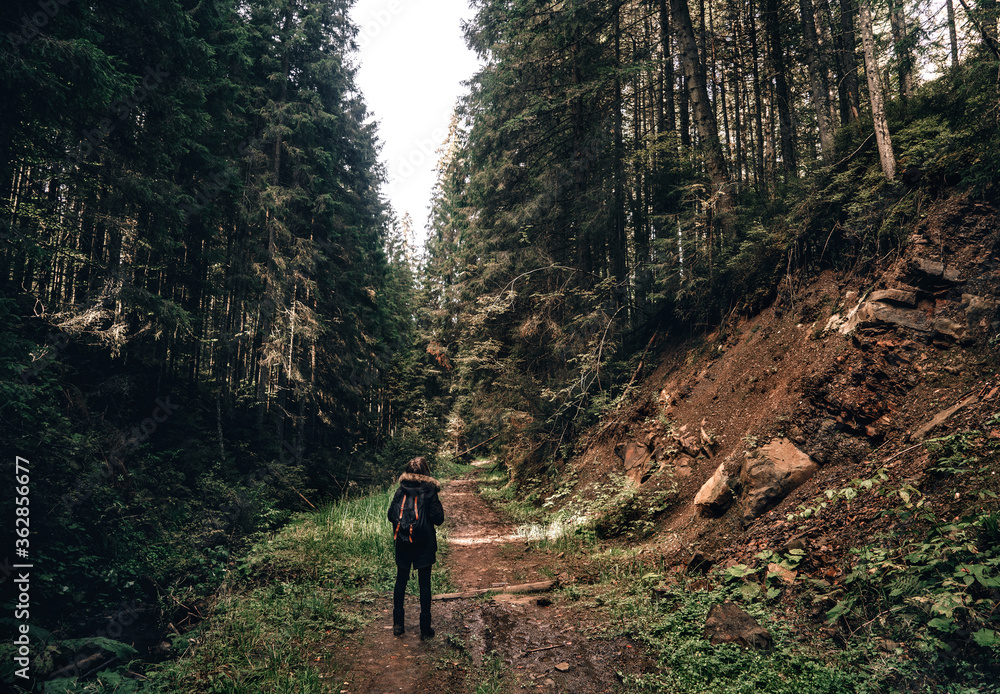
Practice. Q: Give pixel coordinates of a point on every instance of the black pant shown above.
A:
(423, 582)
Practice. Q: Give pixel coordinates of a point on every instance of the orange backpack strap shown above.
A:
(396, 534)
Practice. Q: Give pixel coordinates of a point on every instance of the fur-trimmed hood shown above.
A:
(412, 479)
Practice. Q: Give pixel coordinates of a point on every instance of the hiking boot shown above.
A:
(397, 622)
(398, 630)
(425, 628)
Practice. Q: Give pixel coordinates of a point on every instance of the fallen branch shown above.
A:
(905, 450)
(943, 416)
(469, 450)
(543, 648)
(538, 587)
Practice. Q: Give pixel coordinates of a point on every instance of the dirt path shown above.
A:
(473, 634)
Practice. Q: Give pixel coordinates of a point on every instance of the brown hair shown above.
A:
(419, 466)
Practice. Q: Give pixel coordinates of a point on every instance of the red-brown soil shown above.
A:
(856, 403)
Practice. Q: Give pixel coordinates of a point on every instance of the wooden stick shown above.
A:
(469, 450)
(943, 416)
(521, 588)
(543, 648)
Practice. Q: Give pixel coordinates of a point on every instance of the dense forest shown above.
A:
(627, 170)
(211, 317)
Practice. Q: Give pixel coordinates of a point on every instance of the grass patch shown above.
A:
(492, 677)
(671, 629)
(281, 606)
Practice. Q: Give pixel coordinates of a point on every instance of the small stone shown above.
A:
(562, 667)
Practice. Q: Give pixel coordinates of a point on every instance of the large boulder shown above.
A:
(874, 313)
(637, 459)
(719, 491)
(980, 311)
(777, 469)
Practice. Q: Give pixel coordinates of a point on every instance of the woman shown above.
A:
(414, 511)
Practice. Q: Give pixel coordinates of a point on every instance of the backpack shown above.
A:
(410, 524)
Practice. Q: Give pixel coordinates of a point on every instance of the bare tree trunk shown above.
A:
(704, 118)
(758, 106)
(820, 94)
(618, 243)
(952, 33)
(882, 137)
(847, 86)
(670, 113)
(901, 47)
(827, 55)
(772, 26)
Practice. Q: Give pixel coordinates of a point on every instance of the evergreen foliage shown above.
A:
(589, 201)
(201, 320)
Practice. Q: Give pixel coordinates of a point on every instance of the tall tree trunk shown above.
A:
(847, 85)
(758, 105)
(617, 243)
(820, 93)
(783, 98)
(704, 118)
(901, 47)
(952, 33)
(882, 137)
(684, 126)
(670, 113)
(827, 54)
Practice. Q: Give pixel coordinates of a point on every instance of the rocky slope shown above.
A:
(845, 377)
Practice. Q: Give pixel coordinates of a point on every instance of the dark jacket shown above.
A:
(423, 552)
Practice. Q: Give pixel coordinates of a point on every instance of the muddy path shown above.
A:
(541, 642)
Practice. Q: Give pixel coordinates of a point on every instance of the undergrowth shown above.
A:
(571, 518)
(281, 608)
(671, 627)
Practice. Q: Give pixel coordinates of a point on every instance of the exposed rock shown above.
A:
(718, 493)
(873, 313)
(637, 457)
(682, 466)
(690, 446)
(785, 575)
(933, 269)
(979, 310)
(950, 328)
(728, 623)
(898, 296)
(779, 468)
(699, 563)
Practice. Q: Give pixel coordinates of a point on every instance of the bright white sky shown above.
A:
(412, 62)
